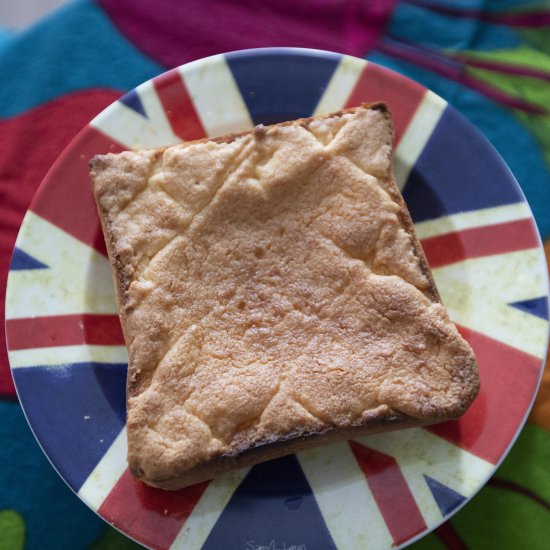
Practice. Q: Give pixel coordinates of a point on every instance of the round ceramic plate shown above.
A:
(69, 362)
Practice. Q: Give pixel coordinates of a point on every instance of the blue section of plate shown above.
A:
(536, 306)
(281, 86)
(457, 172)
(273, 507)
(522, 154)
(132, 100)
(21, 261)
(75, 432)
(447, 499)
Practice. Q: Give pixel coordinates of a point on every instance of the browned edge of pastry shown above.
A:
(270, 450)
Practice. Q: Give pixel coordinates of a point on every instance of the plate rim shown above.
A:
(256, 53)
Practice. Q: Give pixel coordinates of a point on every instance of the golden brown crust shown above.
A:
(270, 450)
(273, 296)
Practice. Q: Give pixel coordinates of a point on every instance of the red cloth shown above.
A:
(29, 144)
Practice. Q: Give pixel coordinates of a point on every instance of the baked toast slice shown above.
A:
(273, 296)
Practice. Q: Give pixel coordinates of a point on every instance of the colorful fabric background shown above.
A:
(488, 58)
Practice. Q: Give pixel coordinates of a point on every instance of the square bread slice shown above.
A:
(273, 297)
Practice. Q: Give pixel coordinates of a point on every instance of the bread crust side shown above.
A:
(269, 450)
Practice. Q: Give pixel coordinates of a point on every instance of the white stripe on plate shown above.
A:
(216, 96)
(416, 135)
(207, 511)
(477, 292)
(78, 280)
(420, 452)
(162, 129)
(344, 498)
(470, 220)
(132, 129)
(62, 356)
(341, 85)
(106, 474)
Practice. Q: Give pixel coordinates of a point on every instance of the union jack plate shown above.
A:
(69, 361)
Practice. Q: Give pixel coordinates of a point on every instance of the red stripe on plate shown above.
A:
(391, 492)
(151, 516)
(178, 106)
(509, 379)
(480, 241)
(378, 84)
(65, 197)
(64, 330)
